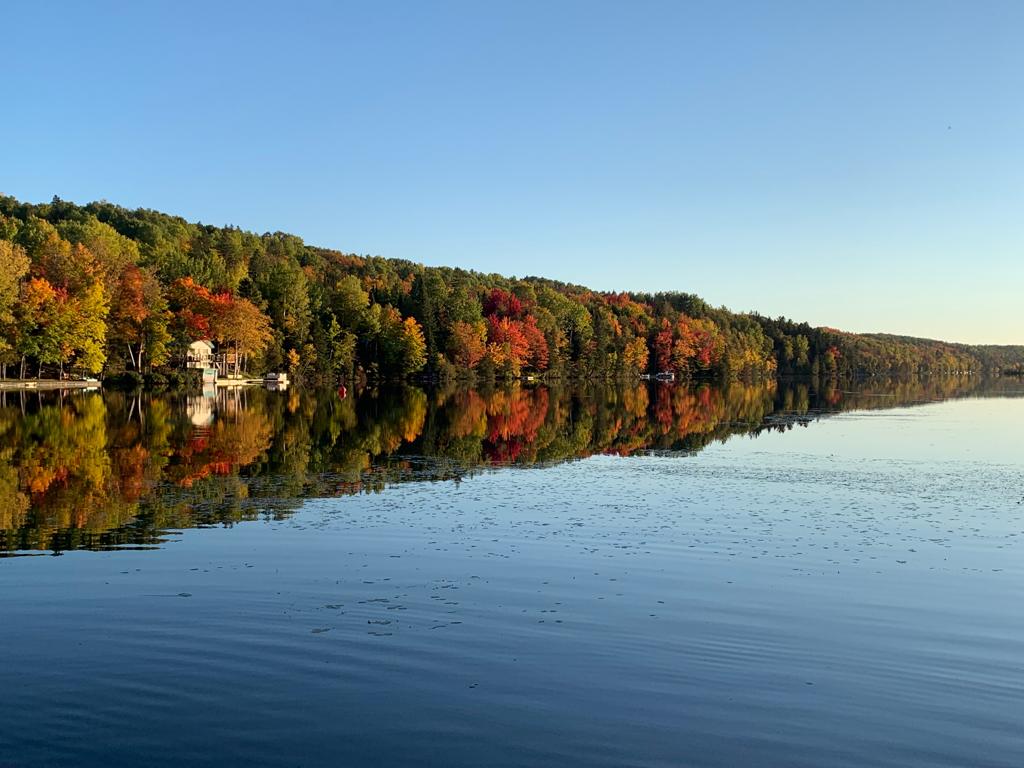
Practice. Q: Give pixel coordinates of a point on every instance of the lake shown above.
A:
(791, 574)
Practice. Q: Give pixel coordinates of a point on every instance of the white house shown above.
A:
(200, 355)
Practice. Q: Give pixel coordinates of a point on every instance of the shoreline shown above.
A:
(29, 385)
(50, 385)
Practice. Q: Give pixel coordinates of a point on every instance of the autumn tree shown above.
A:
(240, 324)
(636, 355)
(538, 345)
(88, 335)
(139, 318)
(14, 264)
(502, 304)
(663, 346)
(507, 347)
(414, 346)
(467, 344)
(193, 309)
(113, 252)
(402, 345)
(45, 322)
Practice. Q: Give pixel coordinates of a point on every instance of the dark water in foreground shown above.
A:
(843, 590)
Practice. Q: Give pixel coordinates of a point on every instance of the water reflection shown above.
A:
(99, 470)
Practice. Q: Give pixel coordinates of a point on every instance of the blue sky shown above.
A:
(858, 165)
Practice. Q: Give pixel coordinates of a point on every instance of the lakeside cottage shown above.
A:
(200, 354)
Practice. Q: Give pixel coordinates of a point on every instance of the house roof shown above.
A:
(201, 343)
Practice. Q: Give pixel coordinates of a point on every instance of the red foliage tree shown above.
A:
(503, 304)
(194, 308)
(506, 343)
(538, 344)
(663, 347)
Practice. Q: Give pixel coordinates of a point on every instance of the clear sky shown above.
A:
(852, 164)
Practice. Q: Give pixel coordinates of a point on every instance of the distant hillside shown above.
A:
(99, 288)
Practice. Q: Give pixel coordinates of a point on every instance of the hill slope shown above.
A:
(101, 288)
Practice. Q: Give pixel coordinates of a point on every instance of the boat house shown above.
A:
(200, 355)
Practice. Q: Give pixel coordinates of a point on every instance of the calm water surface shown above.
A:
(767, 576)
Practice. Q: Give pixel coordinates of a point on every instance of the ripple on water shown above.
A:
(777, 607)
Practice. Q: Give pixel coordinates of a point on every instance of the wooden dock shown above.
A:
(40, 385)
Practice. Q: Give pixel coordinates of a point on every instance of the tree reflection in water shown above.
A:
(98, 470)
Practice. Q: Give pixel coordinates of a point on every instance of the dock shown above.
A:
(45, 385)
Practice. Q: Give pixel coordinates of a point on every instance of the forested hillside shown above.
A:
(100, 289)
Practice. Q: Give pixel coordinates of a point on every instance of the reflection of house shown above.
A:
(200, 410)
(199, 354)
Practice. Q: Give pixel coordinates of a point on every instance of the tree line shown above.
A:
(99, 289)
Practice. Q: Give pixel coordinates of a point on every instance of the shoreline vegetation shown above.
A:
(101, 291)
